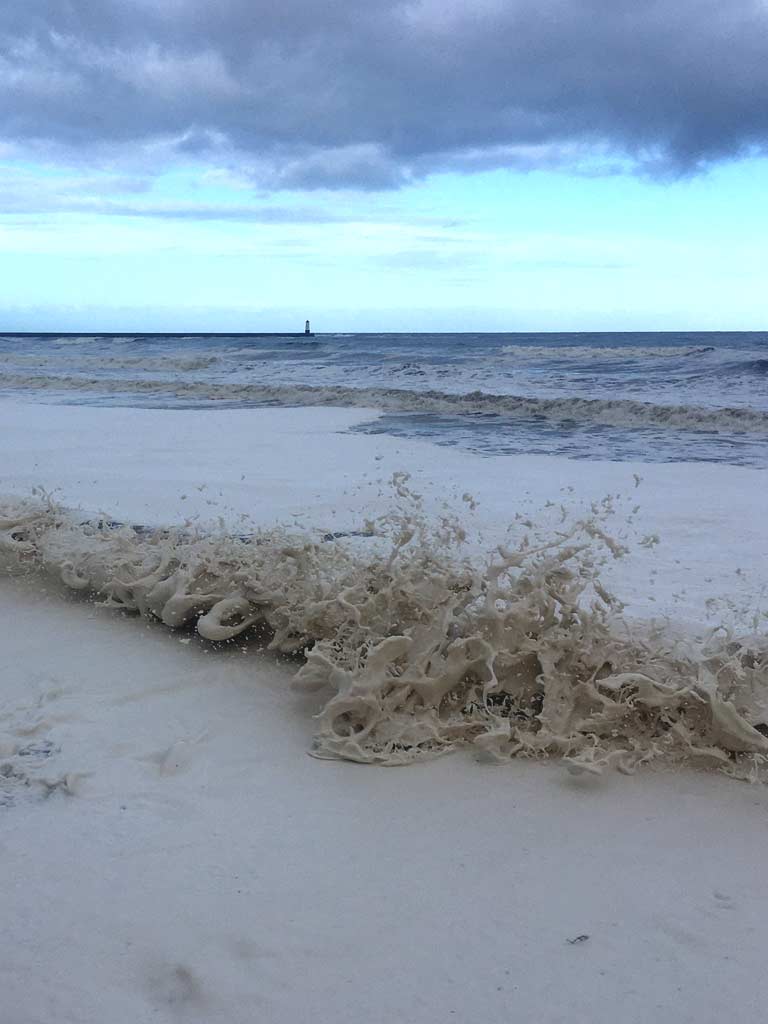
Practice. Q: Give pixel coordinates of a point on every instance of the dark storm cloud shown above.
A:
(308, 94)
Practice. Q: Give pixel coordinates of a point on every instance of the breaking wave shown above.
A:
(105, 362)
(285, 351)
(421, 650)
(602, 352)
(759, 367)
(607, 412)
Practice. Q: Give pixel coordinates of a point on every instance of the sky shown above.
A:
(434, 165)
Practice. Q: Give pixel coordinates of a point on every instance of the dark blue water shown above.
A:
(657, 397)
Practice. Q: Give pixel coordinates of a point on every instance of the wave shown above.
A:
(91, 339)
(281, 351)
(758, 367)
(110, 363)
(408, 370)
(603, 352)
(276, 343)
(421, 651)
(600, 412)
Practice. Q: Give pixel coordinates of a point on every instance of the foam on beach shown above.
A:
(422, 650)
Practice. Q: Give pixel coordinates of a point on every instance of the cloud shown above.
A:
(309, 95)
(365, 166)
(32, 195)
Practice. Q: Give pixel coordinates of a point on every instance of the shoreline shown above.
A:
(303, 469)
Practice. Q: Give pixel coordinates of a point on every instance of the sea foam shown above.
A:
(420, 650)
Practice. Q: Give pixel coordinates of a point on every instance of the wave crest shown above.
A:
(603, 352)
(758, 367)
(606, 412)
(110, 363)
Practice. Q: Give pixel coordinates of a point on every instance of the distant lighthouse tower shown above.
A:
(306, 327)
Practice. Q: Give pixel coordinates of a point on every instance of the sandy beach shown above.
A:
(172, 853)
(192, 863)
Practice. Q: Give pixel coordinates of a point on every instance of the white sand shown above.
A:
(191, 863)
(206, 869)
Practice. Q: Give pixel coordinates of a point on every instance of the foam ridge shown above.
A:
(420, 650)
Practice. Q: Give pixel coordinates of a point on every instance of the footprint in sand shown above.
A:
(29, 752)
(175, 986)
(177, 757)
(26, 771)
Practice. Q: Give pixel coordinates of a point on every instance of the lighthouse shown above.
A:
(306, 327)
